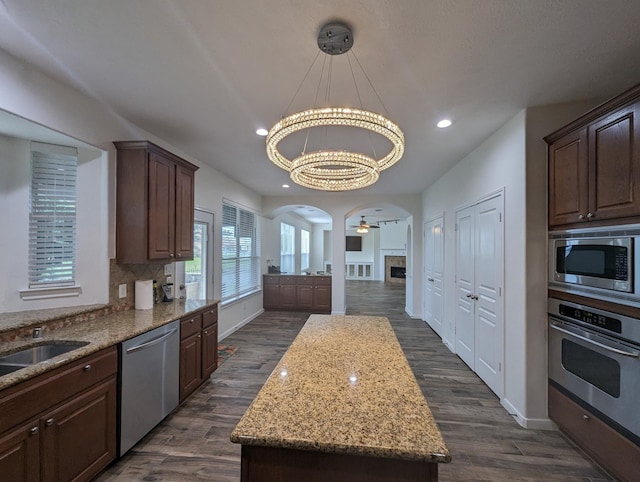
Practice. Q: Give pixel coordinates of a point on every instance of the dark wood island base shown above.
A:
(274, 464)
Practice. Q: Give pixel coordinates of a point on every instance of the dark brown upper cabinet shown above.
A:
(594, 166)
(154, 204)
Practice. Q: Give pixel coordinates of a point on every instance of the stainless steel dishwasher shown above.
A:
(149, 382)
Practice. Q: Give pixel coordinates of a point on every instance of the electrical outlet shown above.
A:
(168, 269)
(122, 291)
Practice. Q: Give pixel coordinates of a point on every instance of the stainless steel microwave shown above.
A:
(595, 262)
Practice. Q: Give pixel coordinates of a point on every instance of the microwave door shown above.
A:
(598, 264)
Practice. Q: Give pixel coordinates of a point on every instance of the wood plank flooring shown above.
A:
(486, 443)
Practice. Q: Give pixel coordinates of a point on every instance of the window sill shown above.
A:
(49, 293)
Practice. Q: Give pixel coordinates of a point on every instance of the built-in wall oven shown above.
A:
(594, 358)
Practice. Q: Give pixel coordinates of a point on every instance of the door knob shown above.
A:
(469, 295)
(430, 279)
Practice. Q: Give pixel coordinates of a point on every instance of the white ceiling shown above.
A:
(204, 75)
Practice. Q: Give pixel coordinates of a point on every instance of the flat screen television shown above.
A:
(354, 243)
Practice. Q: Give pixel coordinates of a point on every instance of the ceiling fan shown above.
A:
(363, 227)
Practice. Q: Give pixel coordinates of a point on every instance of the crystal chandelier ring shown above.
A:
(335, 168)
(334, 171)
(335, 116)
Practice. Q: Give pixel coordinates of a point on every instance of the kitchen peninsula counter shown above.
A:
(100, 332)
(342, 404)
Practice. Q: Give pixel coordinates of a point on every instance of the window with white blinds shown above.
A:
(304, 250)
(240, 252)
(52, 216)
(287, 248)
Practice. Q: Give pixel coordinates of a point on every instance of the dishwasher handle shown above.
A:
(151, 342)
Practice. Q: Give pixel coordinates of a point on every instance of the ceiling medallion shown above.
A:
(334, 169)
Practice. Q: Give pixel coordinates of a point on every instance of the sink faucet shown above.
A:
(37, 332)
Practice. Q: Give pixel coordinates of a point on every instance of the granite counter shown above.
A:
(343, 388)
(101, 332)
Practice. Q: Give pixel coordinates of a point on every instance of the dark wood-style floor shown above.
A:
(485, 442)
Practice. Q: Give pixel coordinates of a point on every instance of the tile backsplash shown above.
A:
(128, 274)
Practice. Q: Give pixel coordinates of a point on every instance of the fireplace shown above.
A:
(395, 268)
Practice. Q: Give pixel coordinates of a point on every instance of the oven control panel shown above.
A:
(601, 321)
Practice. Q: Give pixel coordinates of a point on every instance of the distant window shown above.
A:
(240, 252)
(287, 248)
(304, 250)
(52, 216)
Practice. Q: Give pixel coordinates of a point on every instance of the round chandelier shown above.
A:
(335, 169)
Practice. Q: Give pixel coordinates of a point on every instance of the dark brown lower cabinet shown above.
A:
(198, 349)
(293, 292)
(613, 451)
(79, 437)
(61, 426)
(20, 453)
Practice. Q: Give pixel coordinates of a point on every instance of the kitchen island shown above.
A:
(342, 405)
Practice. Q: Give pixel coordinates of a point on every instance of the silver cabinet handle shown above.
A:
(49, 422)
(171, 255)
(581, 216)
(87, 368)
(33, 430)
(589, 215)
(585, 418)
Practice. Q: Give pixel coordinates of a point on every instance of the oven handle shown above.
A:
(633, 354)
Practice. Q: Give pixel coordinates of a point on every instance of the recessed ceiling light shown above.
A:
(262, 132)
(285, 185)
(444, 123)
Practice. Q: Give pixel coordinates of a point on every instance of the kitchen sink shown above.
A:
(36, 354)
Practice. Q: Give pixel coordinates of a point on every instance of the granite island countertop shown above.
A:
(344, 386)
(100, 333)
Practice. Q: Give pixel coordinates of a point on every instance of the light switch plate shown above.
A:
(122, 291)
(168, 269)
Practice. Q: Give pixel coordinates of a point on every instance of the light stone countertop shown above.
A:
(101, 333)
(344, 386)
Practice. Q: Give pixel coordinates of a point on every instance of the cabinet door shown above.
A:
(568, 179)
(79, 437)
(271, 296)
(162, 205)
(19, 454)
(184, 213)
(614, 176)
(288, 296)
(305, 297)
(209, 350)
(322, 298)
(190, 364)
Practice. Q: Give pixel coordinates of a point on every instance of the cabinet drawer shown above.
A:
(305, 280)
(32, 397)
(322, 280)
(271, 280)
(210, 316)
(609, 448)
(190, 326)
(288, 280)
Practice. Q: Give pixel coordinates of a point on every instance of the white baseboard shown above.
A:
(338, 313)
(532, 423)
(236, 327)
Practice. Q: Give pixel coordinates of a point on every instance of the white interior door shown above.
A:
(479, 279)
(465, 283)
(489, 339)
(434, 272)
